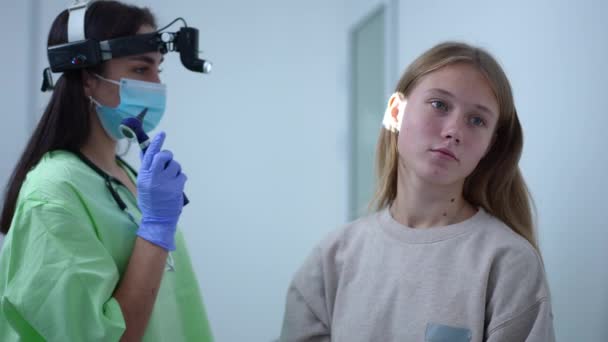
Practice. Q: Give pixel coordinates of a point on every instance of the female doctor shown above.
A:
(91, 251)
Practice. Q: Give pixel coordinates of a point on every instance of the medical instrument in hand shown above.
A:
(132, 129)
(160, 194)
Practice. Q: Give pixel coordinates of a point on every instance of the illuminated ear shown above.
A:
(393, 115)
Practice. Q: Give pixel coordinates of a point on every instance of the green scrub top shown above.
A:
(66, 251)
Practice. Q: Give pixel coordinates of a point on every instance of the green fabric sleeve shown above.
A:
(60, 279)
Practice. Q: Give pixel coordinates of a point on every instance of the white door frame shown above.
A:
(358, 11)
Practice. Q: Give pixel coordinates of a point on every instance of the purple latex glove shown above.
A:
(160, 186)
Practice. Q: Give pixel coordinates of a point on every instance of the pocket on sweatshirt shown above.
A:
(445, 333)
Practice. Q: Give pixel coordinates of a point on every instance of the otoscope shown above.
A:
(131, 128)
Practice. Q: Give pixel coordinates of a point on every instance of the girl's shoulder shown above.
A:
(349, 237)
(504, 241)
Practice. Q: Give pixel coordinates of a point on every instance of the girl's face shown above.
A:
(448, 124)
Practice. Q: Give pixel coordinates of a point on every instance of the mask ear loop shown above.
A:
(106, 79)
(126, 149)
(92, 105)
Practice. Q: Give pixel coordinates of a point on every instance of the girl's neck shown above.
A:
(420, 204)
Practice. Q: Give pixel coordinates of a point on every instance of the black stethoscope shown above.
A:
(109, 180)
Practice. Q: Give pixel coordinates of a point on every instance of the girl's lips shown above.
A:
(445, 152)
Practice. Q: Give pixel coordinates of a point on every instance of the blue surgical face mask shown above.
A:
(135, 96)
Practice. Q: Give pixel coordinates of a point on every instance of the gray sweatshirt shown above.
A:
(377, 280)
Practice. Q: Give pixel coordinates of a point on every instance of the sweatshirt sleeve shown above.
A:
(59, 279)
(535, 324)
(306, 317)
(518, 304)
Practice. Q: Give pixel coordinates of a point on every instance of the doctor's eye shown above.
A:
(140, 70)
(146, 69)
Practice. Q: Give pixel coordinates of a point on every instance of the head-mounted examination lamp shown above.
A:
(80, 52)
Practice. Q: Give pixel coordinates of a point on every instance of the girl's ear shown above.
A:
(393, 114)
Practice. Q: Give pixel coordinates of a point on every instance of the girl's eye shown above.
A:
(477, 121)
(439, 105)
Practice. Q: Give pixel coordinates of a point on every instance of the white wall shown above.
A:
(17, 81)
(16, 75)
(555, 54)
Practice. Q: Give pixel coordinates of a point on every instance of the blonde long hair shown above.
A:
(496, 184)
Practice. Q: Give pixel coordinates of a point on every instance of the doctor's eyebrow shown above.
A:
(145, 59)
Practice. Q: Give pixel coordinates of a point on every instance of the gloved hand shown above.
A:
(160, 186)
